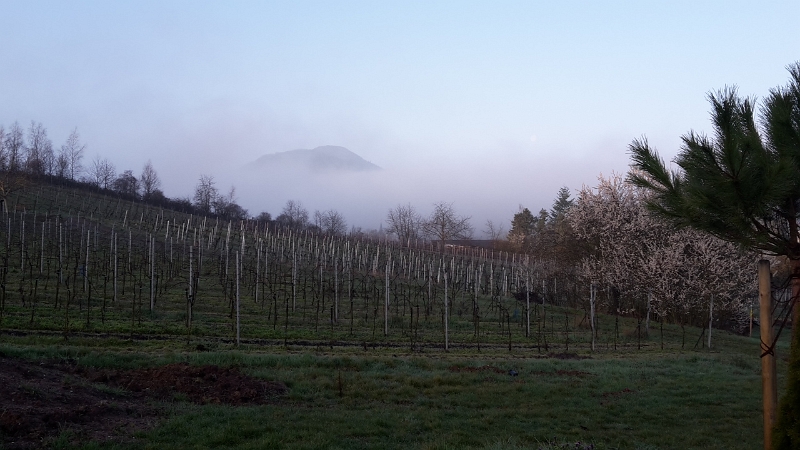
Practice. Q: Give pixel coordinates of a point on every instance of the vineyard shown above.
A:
(80, 262)
(250, 335)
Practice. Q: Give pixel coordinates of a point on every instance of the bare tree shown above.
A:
(221, 202)
(127, 184)
(226, 206)
(62, 166)
(39, 159)
(494, 231)
(149, 180)
(71, 155)
(293, 215)
(33, 160)
(11, 148)
(337, 225)
(48, 157)
(404, 222)
(205, 194)
(102, 173)
(330, 222)
(14, 147)
(319, 220)
(444, 224)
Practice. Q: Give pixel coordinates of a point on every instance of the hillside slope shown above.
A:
(327, 158)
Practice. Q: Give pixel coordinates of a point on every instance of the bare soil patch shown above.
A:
(197, 384)
(44, 401)
(40, 401)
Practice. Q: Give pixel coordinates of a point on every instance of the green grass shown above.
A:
(675, 401)
(392, 398)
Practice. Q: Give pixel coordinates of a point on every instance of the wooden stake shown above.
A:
(152, 273)
(237, 299)
(592, 302)
(769, 385)
(386, 304)
(710, 319)
(189, 293)
(528, 305)
(647, 321)
(446, 316)
(86, 266)
(336, 288)
(115, 267)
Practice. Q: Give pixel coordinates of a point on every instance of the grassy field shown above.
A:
(394, 398)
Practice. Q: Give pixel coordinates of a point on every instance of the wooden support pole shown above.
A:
(710, 319)
(152, 273)
(446, 316)
(386, 303)
(769, 383)
(528, 305)
(238, 323)
(189, 293)
(647, 321)
(115, 267)
(592, 302)
(336, 288)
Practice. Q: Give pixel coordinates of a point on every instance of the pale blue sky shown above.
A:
(488, 104)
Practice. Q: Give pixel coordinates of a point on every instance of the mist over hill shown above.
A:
(491, 186)
(327, 158)
(365, 196)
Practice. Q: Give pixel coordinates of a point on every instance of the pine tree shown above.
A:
(561, 205)
(523, 225)
(742, 188)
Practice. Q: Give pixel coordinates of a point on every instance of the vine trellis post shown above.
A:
(386, 303)
(238, 322)
(446, 315)
(592, 303)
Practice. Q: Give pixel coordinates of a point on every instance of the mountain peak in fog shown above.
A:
(328, 158)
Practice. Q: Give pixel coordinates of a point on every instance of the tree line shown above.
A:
(30, 155)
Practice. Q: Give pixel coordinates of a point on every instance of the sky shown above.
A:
(488, 105)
